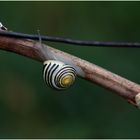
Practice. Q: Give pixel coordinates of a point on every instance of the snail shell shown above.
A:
(58, 75)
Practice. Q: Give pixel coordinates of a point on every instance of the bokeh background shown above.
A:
(29, 109)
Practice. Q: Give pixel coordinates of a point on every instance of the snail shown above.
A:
(58, 75)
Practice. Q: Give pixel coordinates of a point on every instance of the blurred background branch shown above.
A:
(92, 72)
(92, 43)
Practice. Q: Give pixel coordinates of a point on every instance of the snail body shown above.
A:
(58, 75)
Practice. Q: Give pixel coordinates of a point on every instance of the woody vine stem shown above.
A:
(91, 72)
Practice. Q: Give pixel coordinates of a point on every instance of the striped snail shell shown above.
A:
(58, 75)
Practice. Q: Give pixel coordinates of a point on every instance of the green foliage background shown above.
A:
(29, 109)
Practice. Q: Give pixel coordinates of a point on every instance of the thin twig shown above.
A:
(71, 41)
(92, 72)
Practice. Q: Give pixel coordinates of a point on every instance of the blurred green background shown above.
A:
(29, 109)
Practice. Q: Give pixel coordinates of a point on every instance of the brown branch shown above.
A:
(91, 72)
